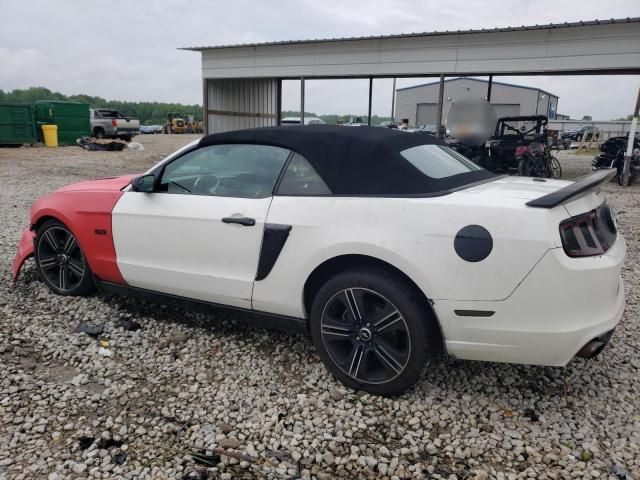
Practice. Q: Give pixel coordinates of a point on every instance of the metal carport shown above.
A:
(242, 84)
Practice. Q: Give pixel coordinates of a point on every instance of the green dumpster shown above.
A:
(17, 124)
(72, 119)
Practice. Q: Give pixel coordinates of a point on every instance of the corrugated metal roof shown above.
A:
(427, 34)
(478, 80)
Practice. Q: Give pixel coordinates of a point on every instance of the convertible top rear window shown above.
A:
(438, 161)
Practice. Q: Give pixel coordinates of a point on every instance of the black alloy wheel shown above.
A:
(373, 330)
(60, 260)
(365, 335)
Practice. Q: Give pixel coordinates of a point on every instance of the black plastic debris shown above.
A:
(93, 144)
(129, 325)
(119, 458)
(91, 330)
(204, 459)
(85, 442)
(531, 414)
(107, 443)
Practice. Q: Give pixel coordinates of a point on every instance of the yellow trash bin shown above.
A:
(50, 133)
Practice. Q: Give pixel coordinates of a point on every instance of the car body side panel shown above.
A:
(416, 235)
(87, 213)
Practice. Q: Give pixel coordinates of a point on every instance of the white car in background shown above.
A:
(296, 121)
(386, 247)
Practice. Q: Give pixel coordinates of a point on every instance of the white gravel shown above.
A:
(200, 383)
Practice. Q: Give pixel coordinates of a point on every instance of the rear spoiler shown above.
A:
(579, 186)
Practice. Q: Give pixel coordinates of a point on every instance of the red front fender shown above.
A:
(25, 250)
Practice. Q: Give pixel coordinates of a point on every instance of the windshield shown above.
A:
(438, 161)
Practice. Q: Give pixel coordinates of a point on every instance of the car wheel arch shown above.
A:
(341, 263)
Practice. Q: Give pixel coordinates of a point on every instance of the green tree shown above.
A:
(147, 112)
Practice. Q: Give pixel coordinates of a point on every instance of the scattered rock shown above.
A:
(190, 378)
(229, 443)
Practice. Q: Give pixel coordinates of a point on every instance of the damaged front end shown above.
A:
(25, 250)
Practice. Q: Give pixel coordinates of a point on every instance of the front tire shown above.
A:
(60, 262)
(373, 330)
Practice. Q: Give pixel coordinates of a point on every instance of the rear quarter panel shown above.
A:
(416, 235)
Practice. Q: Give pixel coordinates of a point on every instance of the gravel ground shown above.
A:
(259, 403)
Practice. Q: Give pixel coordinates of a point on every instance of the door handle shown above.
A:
(246, 221)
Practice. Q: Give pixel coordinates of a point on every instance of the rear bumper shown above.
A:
(561, 306)
(25, 250)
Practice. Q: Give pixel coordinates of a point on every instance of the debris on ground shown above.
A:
(204, 459)
(129, 325)
(85, 442)
(96, 144)
(531, 414)
(91, 330)
(119, 458)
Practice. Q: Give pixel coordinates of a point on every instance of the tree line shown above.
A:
(149, 113)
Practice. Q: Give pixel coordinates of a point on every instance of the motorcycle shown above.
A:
(534, 160)
(612, 156)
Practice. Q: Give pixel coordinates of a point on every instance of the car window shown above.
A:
(438, 161)
(301, 178)
(247, 171)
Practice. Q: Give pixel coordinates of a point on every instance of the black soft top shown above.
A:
(356, 160)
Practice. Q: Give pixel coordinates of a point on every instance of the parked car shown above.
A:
(387, 247)
(586, 132)
(151, 129)
(296, 121)
(107, 123)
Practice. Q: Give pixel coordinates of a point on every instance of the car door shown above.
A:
(198, 234)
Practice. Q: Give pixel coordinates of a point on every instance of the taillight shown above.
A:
(588, 234)
(114, 122)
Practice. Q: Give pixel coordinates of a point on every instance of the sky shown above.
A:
(127, 50)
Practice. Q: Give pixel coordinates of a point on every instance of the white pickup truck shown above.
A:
(107, 123)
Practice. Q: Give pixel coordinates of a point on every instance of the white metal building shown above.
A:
(242, 84)
(419, 103)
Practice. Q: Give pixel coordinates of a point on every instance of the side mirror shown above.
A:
(144, 183)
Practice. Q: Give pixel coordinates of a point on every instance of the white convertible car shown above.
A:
(386, 247)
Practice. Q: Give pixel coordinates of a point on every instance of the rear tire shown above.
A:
(373, 330)
(60, 262)
(98, 133)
